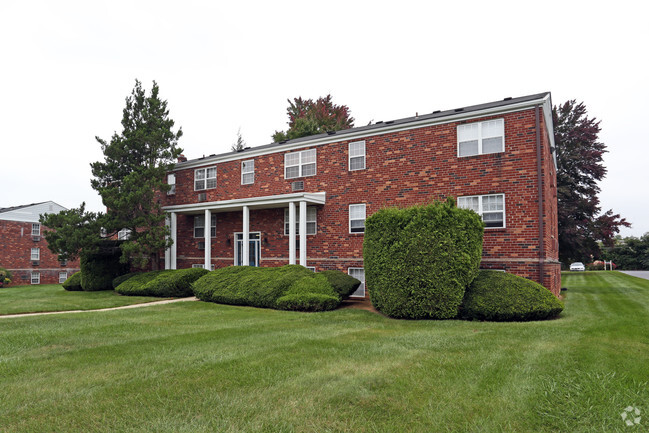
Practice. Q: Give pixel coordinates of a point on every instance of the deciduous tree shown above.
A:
(308, 117)
(580, 168)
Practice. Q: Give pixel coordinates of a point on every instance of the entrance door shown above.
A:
(254, 249)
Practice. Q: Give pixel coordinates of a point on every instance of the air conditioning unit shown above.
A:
(36, 263)
(202, 196)
(298, 185)
(36, 238)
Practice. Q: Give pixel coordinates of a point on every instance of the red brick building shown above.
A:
(496, 158)
(23, 249)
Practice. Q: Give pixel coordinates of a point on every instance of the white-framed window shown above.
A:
(359, 274)
(300, 164)
(36, 278)
(490, 207)
(36, 254)
(171, 181)
(248, 172)
(124, 234)
(357, 155)
(357, 218)
(62, 277)
(311, 268)
(36, 229)
(204, 178)
(480, 138)
(311, 220)
(201, 266)
(199, 226)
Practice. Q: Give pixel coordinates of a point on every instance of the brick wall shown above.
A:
(16, 243)
(402, 168)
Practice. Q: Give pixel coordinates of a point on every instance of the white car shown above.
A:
(577, 266)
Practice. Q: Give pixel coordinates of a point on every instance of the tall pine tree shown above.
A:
(580, 168)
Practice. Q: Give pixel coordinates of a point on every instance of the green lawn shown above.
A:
(52, 297)
(201, 367)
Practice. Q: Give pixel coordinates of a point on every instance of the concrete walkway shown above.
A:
(639, 274)
(146, 304)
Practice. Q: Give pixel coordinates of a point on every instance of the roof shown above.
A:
(9, 209)
(381, 127)
(29, 212)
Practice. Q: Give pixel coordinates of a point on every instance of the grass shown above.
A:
(52, 297)
(201, 367)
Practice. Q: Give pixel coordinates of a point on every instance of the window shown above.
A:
(300, 164)
(203, 267)
(248, 172)
(311, 224)
(36, 229)
(63, 262)
(171, 181)
(359, 274)
(357, 155)
(311, 268)
(356, 218)
(490, 207)
(199, 226)
(481, 137)
(62, 277)
(124, 234)
(36, 277)
(204, 178)
(36, 254)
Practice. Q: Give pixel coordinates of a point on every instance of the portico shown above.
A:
(297, 209)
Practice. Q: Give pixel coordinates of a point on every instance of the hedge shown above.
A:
(342, 283)
(73, 283)
(499, 296)
(134, 285)
(175, 284)
(99, 270)
(419, 260)
(119, 280)
(290, 287)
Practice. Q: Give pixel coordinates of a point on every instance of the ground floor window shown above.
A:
(311, 218)
(199, 226)
(490, 207)
(359, 274)
(36, 277)
(62, 277)
(203, 267)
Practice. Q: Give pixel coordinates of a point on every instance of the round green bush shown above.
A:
(419, 260)
(263, 287)
(119, 280)
(174, 284)
(342, 283)
(499, 296)
(134, 286)
(73, 283)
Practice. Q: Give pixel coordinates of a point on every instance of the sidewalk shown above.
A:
(146, 304)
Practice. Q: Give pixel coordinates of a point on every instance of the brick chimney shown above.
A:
(182, 158)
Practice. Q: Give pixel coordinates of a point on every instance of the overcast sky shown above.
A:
(67, 67)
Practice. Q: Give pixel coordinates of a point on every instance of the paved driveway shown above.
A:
(639, 274)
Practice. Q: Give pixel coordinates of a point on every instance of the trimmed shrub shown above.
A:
(99, 270)
(174, 284)
(499, 296)
(419, 260)
(263, 287)
(134, 286)
(342, 283)
(73, 283)
(119, 280)
(5, 277)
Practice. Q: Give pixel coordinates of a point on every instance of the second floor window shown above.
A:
(36, 229)
(36, 254)
(247, 172)
(204, 178)
(124, 234)
(171, 181)
(357, 155)
(300, 164)
(479, 138)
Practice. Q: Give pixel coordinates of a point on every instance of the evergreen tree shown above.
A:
(580, 168)
(240, 144)
(307, 117)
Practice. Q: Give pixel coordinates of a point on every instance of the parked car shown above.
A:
(577, 266)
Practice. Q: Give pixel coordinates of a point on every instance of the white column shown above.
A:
(291, 233)
(168, 250)
(303, 233)
(208, 239)
(174, 220)
(245, 255)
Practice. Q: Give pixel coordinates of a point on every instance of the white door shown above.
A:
(254, 249)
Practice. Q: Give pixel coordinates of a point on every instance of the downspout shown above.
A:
(539, 183)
